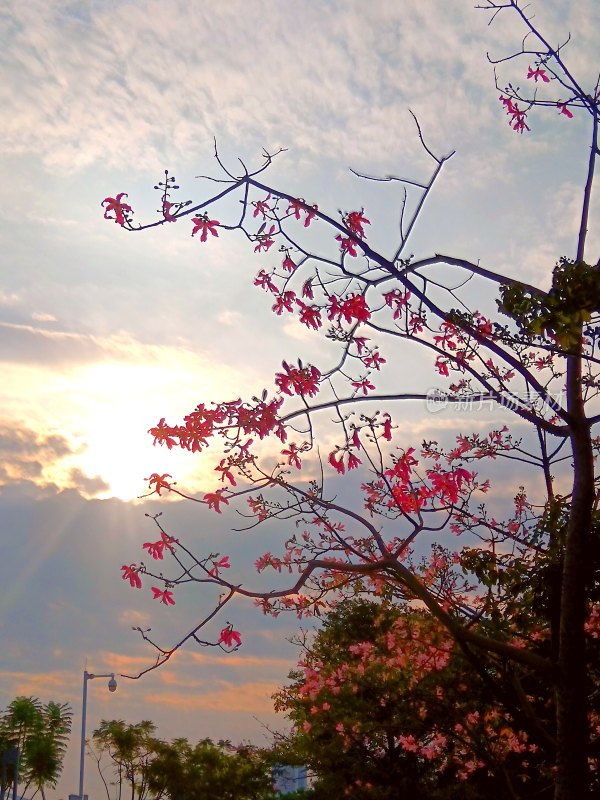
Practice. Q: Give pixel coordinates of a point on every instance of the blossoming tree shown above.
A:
(382, 704)
(519, 597)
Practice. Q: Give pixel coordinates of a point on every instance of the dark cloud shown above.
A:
(86, 485)
(24, 453)
(18, 441)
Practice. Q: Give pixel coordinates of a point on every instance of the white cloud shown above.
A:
(337, 82)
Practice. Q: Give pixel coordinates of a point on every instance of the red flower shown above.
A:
(517, 117)
(519, 123)
(214, 499)
(403, 466)
(416, 323)
(206, 225)
(365, 385)
(352, 307)
(230, 638)
(354, 221)
(396, 300)
(258, 508)
(159, 482)
(284, 303)
(563, 110)
(297, 206)
(360, 342)
(163, 434)
(347, 245)
(264, 281)
(288, 264)
(484, 327)
(339, 464)
(293, 456)
(264, 240)
(166, 209)
(118, 208)
(538, 73)
(441, 365)
(387, 428)
(310, 315)
(223, 468)
(155, 549)
(131, 574)
(262, 206)
(353, 461)
(302, 380)
(307, 290)
(166, 596)
(223, 563)
(374, 360)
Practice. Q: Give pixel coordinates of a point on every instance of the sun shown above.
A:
(113, 405)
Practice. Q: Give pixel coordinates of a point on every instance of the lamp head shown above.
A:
(112, 684)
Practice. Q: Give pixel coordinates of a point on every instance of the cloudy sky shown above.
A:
(102, 333)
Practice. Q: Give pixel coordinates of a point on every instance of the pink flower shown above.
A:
(166, 596)
(225, 471)
(307, 290)
(297, 206)
(293, 456)
(353, 461)
(338, 464)
(118, 208)
(159, 482)
(408, 743)
(538, 73)
(262, 206)
(230, 638)
(166, 209)
(365, 386)
(374, 361)
(263, 280)
(354, 221)
(156, 549)
(310, 315)
(265, 240)
(284, 302)
(442, 366)
(387, 428)
(206, 225)
(131, 574)
(223, 563)
(347, 245)
(517, 117)
(214, 499)
(563, 110)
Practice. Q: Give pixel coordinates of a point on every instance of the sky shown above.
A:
(102, 332)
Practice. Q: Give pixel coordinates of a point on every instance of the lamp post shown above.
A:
(112, 687)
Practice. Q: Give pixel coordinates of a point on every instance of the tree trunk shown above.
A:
(572, 731)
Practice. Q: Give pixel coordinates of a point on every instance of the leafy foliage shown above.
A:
(384, 702)
(40, 733)
(152, 768)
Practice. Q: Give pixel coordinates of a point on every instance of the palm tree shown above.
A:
(40, 733)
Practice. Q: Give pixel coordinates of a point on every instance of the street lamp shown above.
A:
(112, 687)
